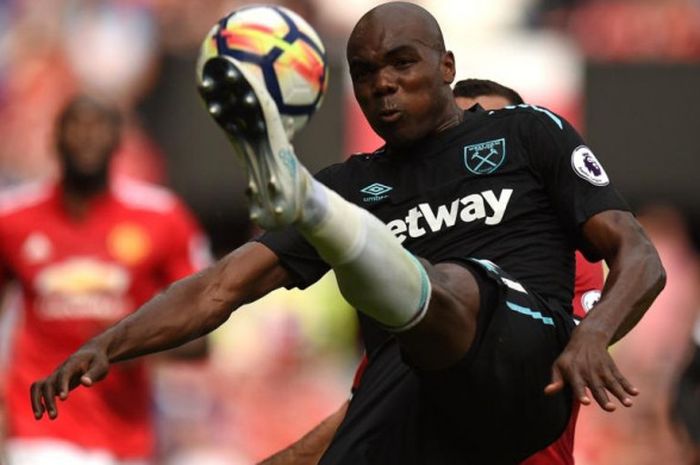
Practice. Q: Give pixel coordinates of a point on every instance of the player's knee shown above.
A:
(447, 331)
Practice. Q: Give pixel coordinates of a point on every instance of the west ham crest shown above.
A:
(485, 157)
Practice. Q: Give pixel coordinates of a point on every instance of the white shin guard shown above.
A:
(374, 272)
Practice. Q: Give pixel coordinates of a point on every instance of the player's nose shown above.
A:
(384, 82)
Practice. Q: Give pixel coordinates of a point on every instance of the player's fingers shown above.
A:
(613, 385)
(578, 387)
(63, 389)
(47, 390)
(600, 394)
(64, 377)
(556, 383)
(35, 395)
(95, 372)
(624, 382)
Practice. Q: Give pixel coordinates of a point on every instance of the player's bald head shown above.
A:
(403, 19)
(401, 73)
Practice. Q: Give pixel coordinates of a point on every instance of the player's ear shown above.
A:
(448, 68)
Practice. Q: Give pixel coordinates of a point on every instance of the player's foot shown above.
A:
(244, 109)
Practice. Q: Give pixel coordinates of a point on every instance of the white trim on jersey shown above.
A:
(24, 195)
(138, 194)
(33, 451)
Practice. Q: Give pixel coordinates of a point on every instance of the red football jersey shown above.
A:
(79, 276)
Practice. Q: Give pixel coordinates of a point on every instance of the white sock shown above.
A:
(374, 272)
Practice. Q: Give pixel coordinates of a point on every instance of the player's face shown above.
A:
(400, 82)
(487, 102)
(87, 138)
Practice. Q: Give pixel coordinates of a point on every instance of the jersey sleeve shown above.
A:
(574, 179)
(295, 254)
(188, 250)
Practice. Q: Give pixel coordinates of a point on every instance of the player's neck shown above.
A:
(77, 200)
(453, 116)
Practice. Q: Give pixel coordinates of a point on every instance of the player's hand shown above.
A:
(585, 364)
(85, 367)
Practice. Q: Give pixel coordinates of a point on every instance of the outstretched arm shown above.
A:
(636, 277)
(187, 309)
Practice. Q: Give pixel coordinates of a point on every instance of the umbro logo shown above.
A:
(375, 192)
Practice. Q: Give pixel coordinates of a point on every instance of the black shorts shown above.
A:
(489, 408)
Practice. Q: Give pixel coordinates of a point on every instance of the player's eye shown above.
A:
(403, 63)
(360, 72)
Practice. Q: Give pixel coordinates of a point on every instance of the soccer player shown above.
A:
(86, 251)
(489, 95)
(460, 262)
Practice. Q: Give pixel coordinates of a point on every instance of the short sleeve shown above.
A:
(574, 179)
(295, 254)
(189, 249)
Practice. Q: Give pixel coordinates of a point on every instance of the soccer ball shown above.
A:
(278, 47)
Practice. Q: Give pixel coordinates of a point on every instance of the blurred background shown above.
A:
(626, 73)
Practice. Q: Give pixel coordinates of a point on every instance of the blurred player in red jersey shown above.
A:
(587, 289)
(86, 251)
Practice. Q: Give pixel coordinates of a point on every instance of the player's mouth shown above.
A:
(389, 115)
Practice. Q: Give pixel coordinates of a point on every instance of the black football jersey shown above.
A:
(513, 186)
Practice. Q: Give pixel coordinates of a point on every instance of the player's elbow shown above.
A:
(659, 273)
(654, 270)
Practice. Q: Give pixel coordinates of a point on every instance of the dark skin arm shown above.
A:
(636, 277)
(186, 310)
(189, 352)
